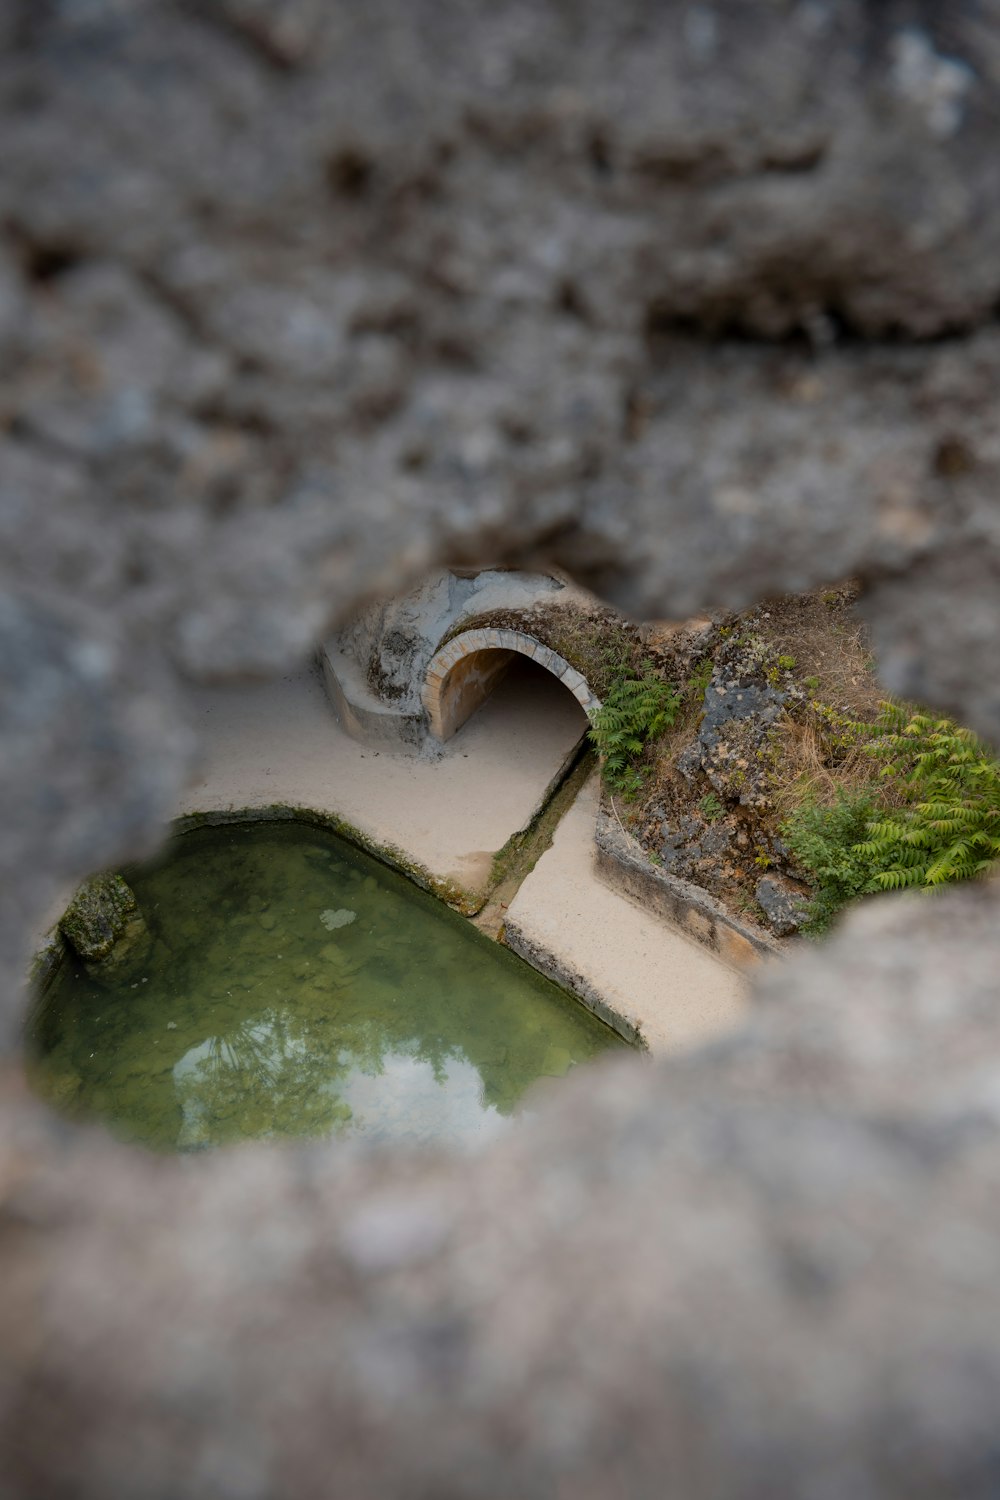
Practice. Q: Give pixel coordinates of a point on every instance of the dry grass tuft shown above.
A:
(809, 774)
(830, 644)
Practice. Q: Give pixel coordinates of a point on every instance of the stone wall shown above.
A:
(624, 864)
(698, 302)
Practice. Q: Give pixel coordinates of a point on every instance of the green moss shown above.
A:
(464, 901)
(97, 915)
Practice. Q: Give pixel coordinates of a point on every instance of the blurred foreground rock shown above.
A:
(698, 302)
(769, 1269)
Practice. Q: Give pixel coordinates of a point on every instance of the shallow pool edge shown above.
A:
(50, 954)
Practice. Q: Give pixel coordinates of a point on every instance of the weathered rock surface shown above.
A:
(105, 927)
(697, 301)
(783, 902)
(98, 916)
(472, 301)
(734, 746)
(692, 843)
(783, 1263)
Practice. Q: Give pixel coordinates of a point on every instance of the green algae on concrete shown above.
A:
(264, 1011)
(468, 902)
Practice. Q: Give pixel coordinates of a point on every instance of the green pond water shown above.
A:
(290, 985)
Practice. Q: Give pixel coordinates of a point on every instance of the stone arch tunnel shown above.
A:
(462, 674)
(408, 672)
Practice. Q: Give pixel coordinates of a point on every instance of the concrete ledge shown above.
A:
(363, 716)
(541, 958)
(623, 865)
(640, 974)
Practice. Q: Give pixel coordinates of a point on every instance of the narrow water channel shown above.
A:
(290, 985)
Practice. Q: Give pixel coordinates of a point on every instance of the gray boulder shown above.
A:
(735, 747)
(783, 902)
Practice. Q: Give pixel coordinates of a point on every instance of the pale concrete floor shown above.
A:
(280, 742)
(677, 993)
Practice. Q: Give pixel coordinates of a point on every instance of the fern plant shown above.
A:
(638, 707)
(827, 842)
(948, 827)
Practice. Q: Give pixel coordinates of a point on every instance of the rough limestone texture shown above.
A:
(698, 302)
(733, 745)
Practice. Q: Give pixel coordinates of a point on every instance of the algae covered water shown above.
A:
(290, 985)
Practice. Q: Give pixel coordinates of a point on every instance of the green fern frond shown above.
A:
(944, 827)
(638, 707)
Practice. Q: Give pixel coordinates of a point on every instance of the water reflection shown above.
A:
(412, 1098)
(261, 1017)
(261, 1078)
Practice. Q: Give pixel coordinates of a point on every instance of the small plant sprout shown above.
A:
(710, 807)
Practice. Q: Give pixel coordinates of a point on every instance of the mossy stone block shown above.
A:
(98, 916)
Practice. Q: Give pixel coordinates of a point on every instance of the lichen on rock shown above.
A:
(783, 902)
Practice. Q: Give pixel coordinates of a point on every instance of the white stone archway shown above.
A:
(462, 674)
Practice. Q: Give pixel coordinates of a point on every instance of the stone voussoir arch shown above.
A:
(462, 673)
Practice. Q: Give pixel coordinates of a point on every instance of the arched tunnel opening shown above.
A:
(478, 665)
(512, 687)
